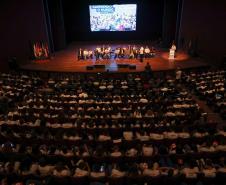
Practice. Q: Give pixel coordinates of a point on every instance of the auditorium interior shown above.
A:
(112, 92)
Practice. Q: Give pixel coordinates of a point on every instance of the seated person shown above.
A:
(104, 137)
(117, 170)
(156, 136)
(209, 170)
(44, 168)
(100, 151)
(133, 169)
(82, 169)
(190, 171)
(147, 150)
(150, 170)
(221, 165)
(132, 152)
(61, 170)
(98, 170)
(116, 152)
(142, 135)
(128, 135)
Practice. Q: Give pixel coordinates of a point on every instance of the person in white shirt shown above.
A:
(146, 52)
(141, 54)
(80, 54)
(85, 53)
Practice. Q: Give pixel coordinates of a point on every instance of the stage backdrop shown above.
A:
(148, 22)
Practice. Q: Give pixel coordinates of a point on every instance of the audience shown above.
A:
(209, 86)
(141, 127)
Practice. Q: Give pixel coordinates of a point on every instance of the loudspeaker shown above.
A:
(89, 67)
(99, 66)
(123, 65)
(132, 67)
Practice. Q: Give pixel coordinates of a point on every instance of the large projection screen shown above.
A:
(117, 17)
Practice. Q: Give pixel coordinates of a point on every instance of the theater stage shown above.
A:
(66, 61)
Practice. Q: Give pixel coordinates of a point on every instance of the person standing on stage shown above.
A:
(80, 54)
(131, 53)
(107, 53)
(102, 52)
(146, 52)
(135, 52)
(152, 52)
(97, 53)
(85, 53)
(130, 49)
(121, 52)
(117, 51)
(126, 52)
(141, 54)
(90, 54)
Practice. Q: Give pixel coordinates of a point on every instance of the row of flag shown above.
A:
(40, 50)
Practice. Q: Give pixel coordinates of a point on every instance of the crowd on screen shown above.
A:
(113, 22)
(106, 52)
(116, 129)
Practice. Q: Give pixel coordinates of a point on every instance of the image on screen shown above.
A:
(118, 17)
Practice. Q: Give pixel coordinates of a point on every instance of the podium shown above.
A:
(172, 51)
(171, 54)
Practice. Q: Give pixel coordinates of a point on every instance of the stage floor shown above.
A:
(66, 61)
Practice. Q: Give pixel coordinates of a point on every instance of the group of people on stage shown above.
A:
(119, 52)
(84, 54)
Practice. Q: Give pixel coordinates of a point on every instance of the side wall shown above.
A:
(203, 25)
(21, 22)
